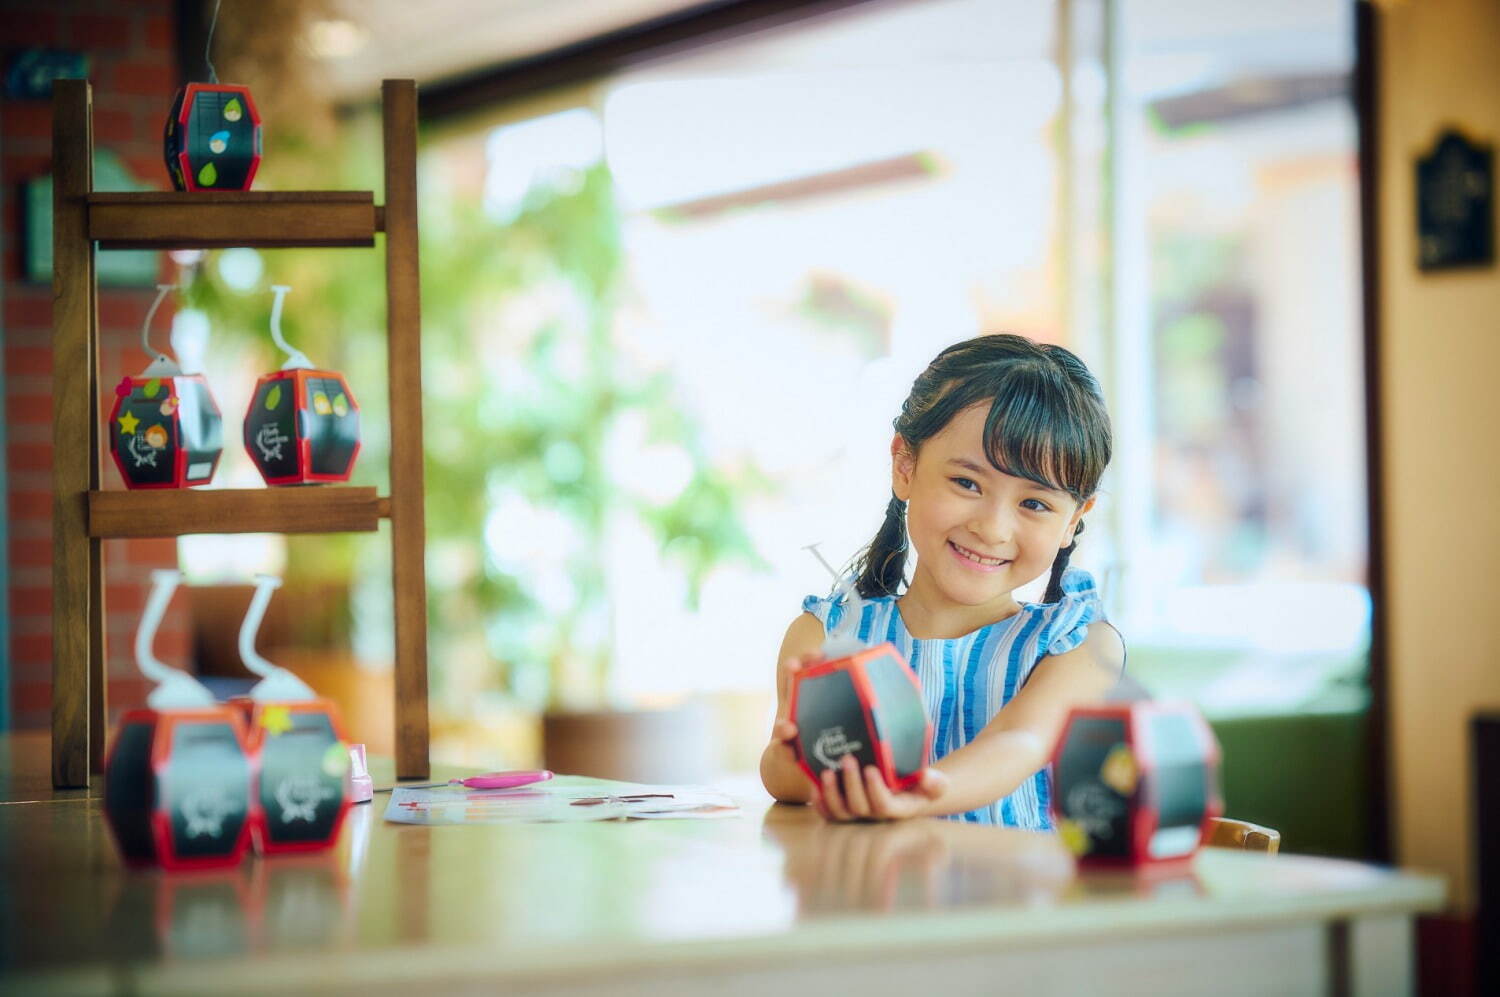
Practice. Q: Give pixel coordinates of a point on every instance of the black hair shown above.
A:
(1047, 423)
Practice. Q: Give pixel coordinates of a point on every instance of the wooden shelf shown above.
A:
(219, 219)
(166, 512)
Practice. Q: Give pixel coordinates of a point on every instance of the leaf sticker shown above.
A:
(152, 387)
(232, 110)
(273, 398)
(208, 176)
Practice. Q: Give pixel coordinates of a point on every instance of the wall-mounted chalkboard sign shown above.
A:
(1455, 204)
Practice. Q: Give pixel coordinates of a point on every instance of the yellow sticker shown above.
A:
(273, 397)
(128, 422)
(340, 405)
(1119, 771)
(276, 720)
(1073, 836)
(321, 404)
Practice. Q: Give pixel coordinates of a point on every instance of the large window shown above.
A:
(727, 268)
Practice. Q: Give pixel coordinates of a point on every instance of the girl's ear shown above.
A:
(1072, 530)
(903, 466)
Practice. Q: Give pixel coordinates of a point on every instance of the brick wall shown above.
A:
(133, 68)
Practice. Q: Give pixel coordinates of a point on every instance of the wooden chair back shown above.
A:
(1242, 834)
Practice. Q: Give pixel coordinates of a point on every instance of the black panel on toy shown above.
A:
(831, 722)
(331, 423)
(206, 788)
(299, 792)
(130, 792)
(271, 429)
(1083, 795)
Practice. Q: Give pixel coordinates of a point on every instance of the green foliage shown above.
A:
(525, 386)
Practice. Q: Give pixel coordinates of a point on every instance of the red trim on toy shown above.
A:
(868, 701)
(189, 180)
(253, 710)
(164, 724)
(1146, 818)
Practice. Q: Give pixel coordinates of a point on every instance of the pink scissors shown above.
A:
(491, 780)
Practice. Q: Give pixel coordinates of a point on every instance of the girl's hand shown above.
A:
(849, 794)
(785, 730)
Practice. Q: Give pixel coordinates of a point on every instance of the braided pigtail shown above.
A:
(1060, 565)
(882, 566)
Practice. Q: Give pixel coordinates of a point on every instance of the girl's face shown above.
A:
(979, 533)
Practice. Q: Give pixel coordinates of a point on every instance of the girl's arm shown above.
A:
(779, 771)
(1012, 746)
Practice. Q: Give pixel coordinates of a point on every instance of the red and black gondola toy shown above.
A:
(165, 430)
(212, 138)
(302, 791)
(179, 773)
(1135, 784)
(302, 426)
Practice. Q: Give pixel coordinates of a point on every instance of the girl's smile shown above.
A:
(979, 533)
(976, 561)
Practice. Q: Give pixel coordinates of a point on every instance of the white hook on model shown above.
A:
(276, 683)
(175, 689)
(295, 358)
(842, 639)
(161, 364)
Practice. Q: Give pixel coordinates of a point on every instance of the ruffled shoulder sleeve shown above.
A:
(1067, 620)
(826, 608)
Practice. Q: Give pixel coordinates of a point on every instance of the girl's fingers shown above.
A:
(932, 784)
(833, 797)
(785, 730)
(878, 794)
(854, 787)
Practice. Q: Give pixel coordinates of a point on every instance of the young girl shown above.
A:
(997, 456)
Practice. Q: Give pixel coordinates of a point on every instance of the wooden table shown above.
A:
(773, 902)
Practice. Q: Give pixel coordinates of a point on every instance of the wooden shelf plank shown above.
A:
(215, 220)
(163, 512)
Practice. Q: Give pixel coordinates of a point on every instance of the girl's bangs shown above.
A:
(1020, 439)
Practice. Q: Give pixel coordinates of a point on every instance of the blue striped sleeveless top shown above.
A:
(966, 680)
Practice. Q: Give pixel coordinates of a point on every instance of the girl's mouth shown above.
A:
(975, 561)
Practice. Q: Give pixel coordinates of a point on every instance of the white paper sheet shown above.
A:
(564, 799)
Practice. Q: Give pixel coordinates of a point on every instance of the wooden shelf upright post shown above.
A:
(82, 515)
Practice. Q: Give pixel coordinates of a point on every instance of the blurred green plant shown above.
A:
(532, 414)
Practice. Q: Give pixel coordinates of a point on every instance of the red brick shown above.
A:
(30, 701)
(30, 552)
(29, 360)
(112, 127)
(25, 505)
(29, 457)
(146, 79)
(21, 164)
(31, 647)
(27, 119)
(122, 312)
(31, 27)
(27, 307)
(27, 410)
(161, 33)
(125, 598)
(30, 601)
(94, 31)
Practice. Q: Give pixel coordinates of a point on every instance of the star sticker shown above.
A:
(276, 719)
(128, 422)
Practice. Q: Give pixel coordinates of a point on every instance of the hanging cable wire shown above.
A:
(213, 74)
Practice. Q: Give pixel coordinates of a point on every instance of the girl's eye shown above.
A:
(1035, 505)
(967, 484)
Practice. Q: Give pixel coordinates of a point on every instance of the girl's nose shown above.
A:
(994, 527)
